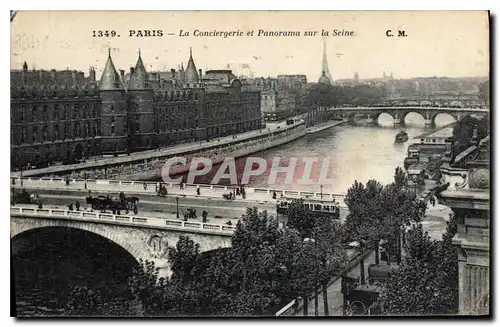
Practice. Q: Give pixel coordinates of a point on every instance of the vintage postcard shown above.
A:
(250, 163)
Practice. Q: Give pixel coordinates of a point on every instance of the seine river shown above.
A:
(358, 152)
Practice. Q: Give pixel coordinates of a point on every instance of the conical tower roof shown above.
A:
(110, 80)
(191, 72)
(139, 79)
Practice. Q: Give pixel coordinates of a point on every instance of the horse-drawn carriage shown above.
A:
(25, 198)
(104, 203)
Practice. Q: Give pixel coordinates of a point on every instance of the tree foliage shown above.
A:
(378, 212)
(266, 267)
(324, 95)
(426, 281)
(463, 132)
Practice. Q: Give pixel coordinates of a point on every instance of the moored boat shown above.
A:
(401, 137)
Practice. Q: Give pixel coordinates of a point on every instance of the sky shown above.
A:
(444, 43)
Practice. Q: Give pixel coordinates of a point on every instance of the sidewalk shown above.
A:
(253, 195)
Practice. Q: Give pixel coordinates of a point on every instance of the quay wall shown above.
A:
(150, 167)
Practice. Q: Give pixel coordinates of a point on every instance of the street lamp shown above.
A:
(321, 188)
(317, 273)
(177, 205)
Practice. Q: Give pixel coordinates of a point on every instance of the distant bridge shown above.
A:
(399, 113)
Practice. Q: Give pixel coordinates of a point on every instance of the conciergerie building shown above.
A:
(62, 116)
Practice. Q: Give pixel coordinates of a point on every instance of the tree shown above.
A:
(300, 218)
(426, 281)
(144, 282)
(183, 258)
(379, 212)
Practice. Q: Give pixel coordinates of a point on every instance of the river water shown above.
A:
(348, 153)
(344, 153)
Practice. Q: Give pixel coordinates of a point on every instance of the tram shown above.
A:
(323, 207)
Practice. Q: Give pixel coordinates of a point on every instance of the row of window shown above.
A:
(61, 132)
(56, 112)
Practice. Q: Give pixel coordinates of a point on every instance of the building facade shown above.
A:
(277, 105)
(65, 116)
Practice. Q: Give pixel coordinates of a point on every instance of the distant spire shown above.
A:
(139, 52)
(325, 63)
(190, 52)
(109, 52)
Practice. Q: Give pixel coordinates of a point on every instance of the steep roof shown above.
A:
(139, 79)
(110, 80)
(324, 79)
(191, 72)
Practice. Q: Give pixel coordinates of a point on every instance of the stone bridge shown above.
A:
(399, 113)
(144, 238)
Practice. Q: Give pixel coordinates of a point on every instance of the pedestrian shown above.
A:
(157, 187)
(85, 184)
(198, 190)
(145, 185)
(135, 210)
(274, 195)
(204, 215)
(67, 181)
(77, 205)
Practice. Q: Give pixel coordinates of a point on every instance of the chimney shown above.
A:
(173, 73)
(122, 75)
(131, 70)
(92, 74)
(199, 73)
(73, 77)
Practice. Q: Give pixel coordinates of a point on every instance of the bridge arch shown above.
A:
(404, 114)
(51, 262)
(17, 229)
(455, 116)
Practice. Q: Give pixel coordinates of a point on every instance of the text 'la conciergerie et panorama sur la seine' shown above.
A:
(224, 33)
(260, 32)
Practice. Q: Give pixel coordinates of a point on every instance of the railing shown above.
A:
(112, 218)
(148, 187)
(483, 110)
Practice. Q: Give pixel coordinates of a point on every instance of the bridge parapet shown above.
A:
(429, 108)
(137, 221)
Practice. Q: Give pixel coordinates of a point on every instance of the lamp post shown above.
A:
(177, 205)
(321, 188)
(317, 274)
